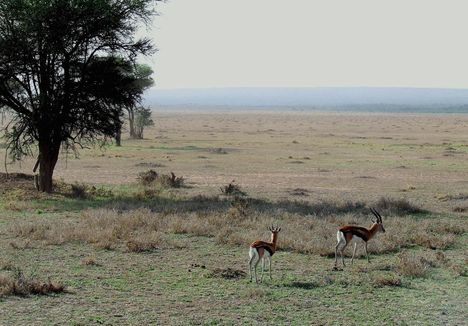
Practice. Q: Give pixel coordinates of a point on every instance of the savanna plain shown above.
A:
(123, 242)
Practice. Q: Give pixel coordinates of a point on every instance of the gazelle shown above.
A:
(261, 250)
(349, 233)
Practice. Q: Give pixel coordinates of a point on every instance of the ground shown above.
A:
(289, 163)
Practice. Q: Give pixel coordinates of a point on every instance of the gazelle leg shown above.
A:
(255, 269)
(263, 269)
(354, 253)
(341, 251)
(336, 253)
(250, 267)
(269, 260)
(367, 253)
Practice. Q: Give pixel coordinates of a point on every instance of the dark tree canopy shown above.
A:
(65, 72)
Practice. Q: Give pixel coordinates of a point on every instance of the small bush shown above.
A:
(147, 178)
(20, 285)
(399, 207)
(434, 241)
(100, 192)
(232, 189)
(171, 181)
(383, 280)
(145, 243)
(409, 264)
(79, 191)
(152, 178)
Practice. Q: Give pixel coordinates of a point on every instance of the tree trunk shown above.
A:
(118, 137)
(131, 122)
(49, 152)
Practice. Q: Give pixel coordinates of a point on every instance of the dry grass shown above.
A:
(151, 178)
(90, 261)
(78, 191)
(412, 265)
(20, 285)
(137, 230)
(140, 230)
(232, 189)
(387, 280)
(6, 265)
(146, 242)
(400, 207)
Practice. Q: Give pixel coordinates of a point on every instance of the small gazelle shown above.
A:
(262, 250)
(354, 233)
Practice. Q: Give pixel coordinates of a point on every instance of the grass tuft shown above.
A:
(398, 207)
(387, 280)
(151, 178)
(79, 191)
(412, 265)
(232, 189)
(20, 285)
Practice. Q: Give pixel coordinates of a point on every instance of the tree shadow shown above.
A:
(201, 204)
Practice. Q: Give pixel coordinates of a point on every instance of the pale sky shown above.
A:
(311, 43)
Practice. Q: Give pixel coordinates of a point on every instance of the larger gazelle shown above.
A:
(262, 250)
(354, 233)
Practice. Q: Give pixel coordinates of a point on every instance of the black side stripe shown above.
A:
(359, 234)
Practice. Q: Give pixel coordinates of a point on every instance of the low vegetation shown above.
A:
(20, 285)
(144, 229)
(152, 179)
(232, 189)
(411, 264)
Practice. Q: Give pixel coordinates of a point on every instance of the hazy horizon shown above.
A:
(341, 98)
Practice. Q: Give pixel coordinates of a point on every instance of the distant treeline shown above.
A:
(360, 99)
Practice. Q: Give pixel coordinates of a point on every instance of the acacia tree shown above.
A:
(59, 72)
(142, 120)
(142, 74)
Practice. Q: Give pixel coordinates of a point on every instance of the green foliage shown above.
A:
(65, 83)
(142, 120)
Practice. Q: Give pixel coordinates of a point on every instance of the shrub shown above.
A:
(409, 264)
(20, 285)
(152, 178)
(232, 189)
(79, 191)
(144, 243)
(147, 178)
(399, 207)
(171, 181)
(386, 280)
